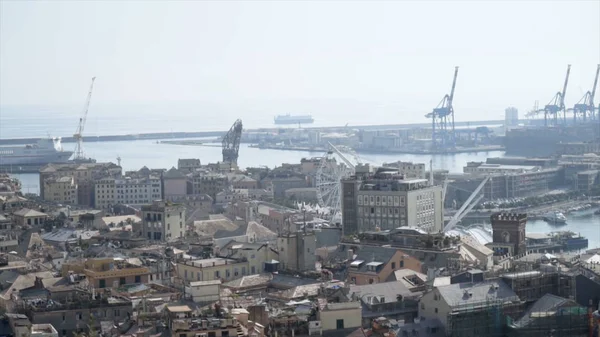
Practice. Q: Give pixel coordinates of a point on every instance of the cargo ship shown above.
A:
(44, 151)
(294, 119)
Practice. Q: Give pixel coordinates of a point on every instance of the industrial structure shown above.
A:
(231, 143)
(556, 106)
(78, 136)
(442, 120)
(585, 108)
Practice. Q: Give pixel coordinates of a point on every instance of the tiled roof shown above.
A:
(470, 295)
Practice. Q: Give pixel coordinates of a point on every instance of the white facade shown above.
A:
(127, 191)
(422, 208)
(204, 291)
(511, 117)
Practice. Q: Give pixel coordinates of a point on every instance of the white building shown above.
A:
(511, 117)
(163, 221)
(127, 190)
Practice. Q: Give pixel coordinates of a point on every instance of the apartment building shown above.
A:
(84, 176)
(62, 190)
(112, 273)
(188, 165)
(211, 269)
(175, 184)
(127, 190)
(385, 200)
(163, 221)
(409, 170)
(206, 182)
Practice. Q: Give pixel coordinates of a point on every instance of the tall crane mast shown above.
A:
(557, 104)
(231, 143)
(585, 107)
(442, 134)
(78, 136)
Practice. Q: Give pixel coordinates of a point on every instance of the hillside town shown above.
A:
(212, 250)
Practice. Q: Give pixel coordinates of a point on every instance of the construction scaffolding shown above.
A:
(485, 318)
(569, 320)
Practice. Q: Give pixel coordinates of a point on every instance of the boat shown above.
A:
(294, 119)
(555, 218)
(44, 151)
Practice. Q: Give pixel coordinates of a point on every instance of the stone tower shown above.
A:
(509, 232)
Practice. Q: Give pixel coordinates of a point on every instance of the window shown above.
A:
(370, 281)
(436, 311)
(117, 313)
(401, 264)
(79, 316)
(339, 324)
(217, 274)
(138, 279)
(64, 317)
(122, 281)
(102, 284)
(393, 265)
(422, 306)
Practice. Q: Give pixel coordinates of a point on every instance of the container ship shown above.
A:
(42, 152)
(294, 119)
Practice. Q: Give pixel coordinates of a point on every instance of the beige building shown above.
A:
(297, 251)
(62, 190)
(183, 323)
(163, 221)
(336, 316)
(409, 170)
(175, 184)
(29, 217)
(84, 176)
(255, 253)
(385, 200)
(211, 269)
(112, 273)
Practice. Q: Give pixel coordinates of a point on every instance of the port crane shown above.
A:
(78, 136)
(442, 120)
(557, 104)
(585, 107)
(231, 143)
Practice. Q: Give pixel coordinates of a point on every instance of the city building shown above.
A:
(175, 184)
(586, 180)
(163, 221)
(211, 269)
(511, 117)
(409, 170)
(508, 234)
(297, 251)
(188, 165)
(206, 182)
(182, 322)
(127, 190)
(470, 309)
(371, 264)
(29, 217)
(61, 190)
(385, 200)
(84, 176)
(112, 273)
(337, 316)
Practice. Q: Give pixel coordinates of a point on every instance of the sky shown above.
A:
(395, 58)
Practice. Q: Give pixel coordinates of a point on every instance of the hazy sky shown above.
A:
(302, 56)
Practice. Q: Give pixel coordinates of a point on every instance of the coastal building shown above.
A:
(84, 176)
(188, 165)
(511, 117)
(207, 182)
(385, 200)
(163, 221)
(409, 170)
(60, 190)
(127, 190)
(175, 184)
(508, 234)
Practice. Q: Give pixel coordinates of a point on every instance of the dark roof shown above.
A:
(7, 277)
(477, 294)
(373, 254)
(546, 303)
(173, 173)
(221, 233)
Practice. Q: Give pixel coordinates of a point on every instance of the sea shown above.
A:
(40, 122)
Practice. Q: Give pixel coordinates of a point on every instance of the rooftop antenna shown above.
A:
(119, 160)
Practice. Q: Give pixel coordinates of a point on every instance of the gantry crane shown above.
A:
(442, 120)
(78, 136)
(557, 104)
(585, 107)
(231, 143)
